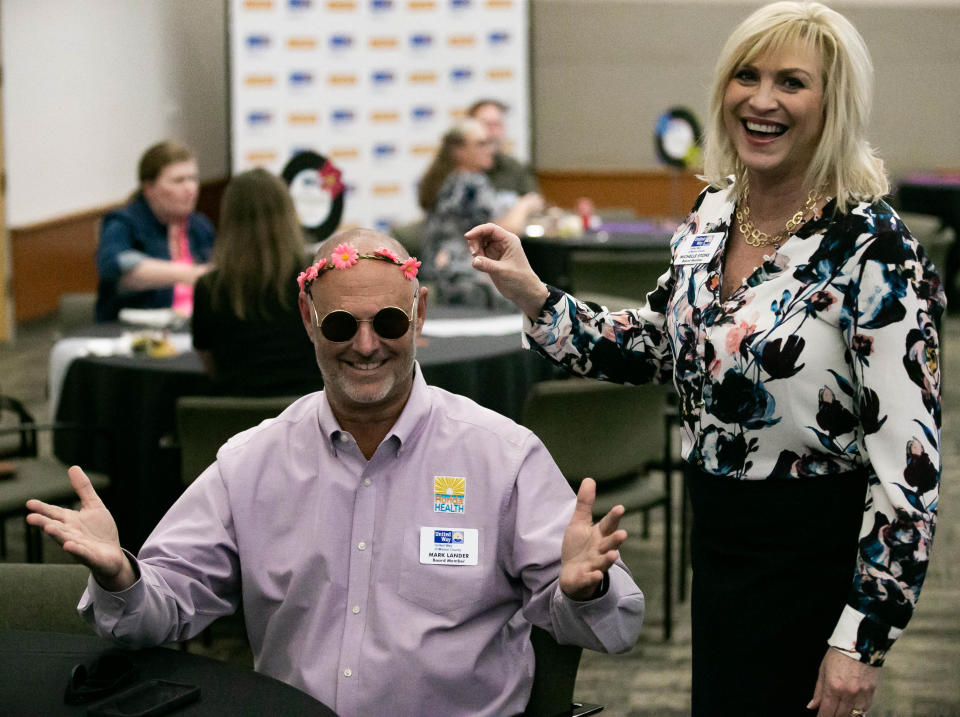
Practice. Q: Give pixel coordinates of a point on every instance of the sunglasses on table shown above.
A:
(391, 322)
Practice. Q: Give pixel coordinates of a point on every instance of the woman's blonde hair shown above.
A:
(445, 161)
(844, 164)
(259, 246)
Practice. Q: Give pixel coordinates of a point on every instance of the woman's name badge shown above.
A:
(698, 248)
(449, 546)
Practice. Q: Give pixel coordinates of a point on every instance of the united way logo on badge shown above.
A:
(449, 494)
(442, 538)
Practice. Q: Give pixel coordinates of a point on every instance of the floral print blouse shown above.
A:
(825, 360)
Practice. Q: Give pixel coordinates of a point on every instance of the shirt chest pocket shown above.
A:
(439, 588)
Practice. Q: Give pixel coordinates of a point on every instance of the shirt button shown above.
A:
(362, 545)
(366, 481)
(347, 672)
(356, 609)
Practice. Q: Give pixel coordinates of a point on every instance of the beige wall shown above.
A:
(89, 84)
(603, 70)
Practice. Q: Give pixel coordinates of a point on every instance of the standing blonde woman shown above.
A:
(797, 320)
(246, 321)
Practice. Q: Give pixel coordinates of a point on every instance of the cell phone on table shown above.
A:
(146, 699)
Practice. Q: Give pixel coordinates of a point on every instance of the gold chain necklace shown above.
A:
(755, 237)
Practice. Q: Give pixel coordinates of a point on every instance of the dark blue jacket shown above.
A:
(132, 230)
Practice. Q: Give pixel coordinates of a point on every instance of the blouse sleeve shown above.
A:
(629, 346)
(890, 329)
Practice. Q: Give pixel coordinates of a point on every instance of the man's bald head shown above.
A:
(366, 241)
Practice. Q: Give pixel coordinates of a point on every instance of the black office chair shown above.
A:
(621, 437)
(34, 474)
(204, 423)
(554, 679)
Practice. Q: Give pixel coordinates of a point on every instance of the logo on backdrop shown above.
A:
(300, 79)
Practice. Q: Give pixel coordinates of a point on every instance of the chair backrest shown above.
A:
(75, 311)
(627, 273)
(42, 596)
(204, 423)
(554, 677)
(598, 429)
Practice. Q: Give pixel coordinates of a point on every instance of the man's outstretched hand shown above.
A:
(589, 549)
(89, 534)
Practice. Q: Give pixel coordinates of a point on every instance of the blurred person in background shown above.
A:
(507, 174)
(457, 195)
(153, 250)
(246, 321)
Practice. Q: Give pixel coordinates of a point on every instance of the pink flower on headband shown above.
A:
(320, 266)
(410, 268)
(344, 256)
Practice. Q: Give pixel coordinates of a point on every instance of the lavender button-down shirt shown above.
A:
(323, 548)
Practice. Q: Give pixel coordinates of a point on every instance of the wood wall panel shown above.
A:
(57, 256)
(654, 193)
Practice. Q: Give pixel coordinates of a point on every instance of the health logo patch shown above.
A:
(449, 494)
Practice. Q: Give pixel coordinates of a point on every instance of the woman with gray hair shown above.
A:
(798, 321)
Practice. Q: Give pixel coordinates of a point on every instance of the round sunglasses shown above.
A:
(391, 322)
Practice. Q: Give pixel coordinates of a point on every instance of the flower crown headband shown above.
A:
(345, 255)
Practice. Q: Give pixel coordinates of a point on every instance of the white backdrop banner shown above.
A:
(371, 85)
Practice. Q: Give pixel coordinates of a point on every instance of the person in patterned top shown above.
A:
(798, 320)
(456, 194)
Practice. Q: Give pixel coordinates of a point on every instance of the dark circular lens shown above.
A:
(338, 326)
(391, 322)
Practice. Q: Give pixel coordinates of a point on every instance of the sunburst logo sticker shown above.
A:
(449, 494)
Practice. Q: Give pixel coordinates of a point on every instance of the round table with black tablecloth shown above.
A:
(36, 666)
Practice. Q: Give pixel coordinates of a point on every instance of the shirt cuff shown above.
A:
(609, 622)
(128, 259)
(862, 637)
(103, 609)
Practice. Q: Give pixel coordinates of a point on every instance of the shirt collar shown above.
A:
(408, 425)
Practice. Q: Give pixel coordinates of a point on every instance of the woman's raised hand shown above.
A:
(498, 253)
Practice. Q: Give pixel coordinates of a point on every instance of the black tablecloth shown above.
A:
(35, 668)
(133, 401)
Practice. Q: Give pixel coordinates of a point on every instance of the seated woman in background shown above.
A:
(456, 195)
(246, 323)
(153, 250)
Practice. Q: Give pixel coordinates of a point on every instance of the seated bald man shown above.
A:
(390, 542)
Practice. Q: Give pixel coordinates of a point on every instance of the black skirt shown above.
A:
(773, 565)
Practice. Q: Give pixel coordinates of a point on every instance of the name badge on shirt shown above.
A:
(449, 546)
(698, 248)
